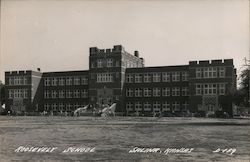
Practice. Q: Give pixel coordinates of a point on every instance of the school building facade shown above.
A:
(115, 75)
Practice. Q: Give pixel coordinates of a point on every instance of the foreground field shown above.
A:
(115, 139)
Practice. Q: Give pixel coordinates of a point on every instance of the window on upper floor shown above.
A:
(138, 78)
(166, 77)
(99, 63)
(147, 92)
(109, 62)
(77, 80)
(176, 76)
(156, 92)
(198, 89)
(147, 78)
(176, 91)
(184, 91)
(198, 73)
(129, 92)
(156, 77)
(129, 78)
(222, 72)
(185, 76)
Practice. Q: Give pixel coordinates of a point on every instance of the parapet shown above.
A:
(211, 62)
(116, 48)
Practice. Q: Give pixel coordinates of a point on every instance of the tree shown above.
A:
(2, 93)
(244, 86)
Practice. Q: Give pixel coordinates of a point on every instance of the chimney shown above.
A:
(136, 53)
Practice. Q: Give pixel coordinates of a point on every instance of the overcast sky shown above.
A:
(56, 35)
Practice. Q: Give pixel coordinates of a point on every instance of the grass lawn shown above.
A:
(113, 138)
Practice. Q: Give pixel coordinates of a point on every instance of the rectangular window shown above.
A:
(176, 106)
(184, 91)
(99, 63)
(61, 106)
(166, 77)
(76, 80)
(222, 88)
(156, 77)
(156, 106)
(11, 81)
(25, 93)
(61, 81)
(222, 72)
(84, 93)
(68, 81)
(176, 91)
(46, 94)
(104, 77)
(198, 73)
(138, 106)
(176, 76)
(110, 62)
(198, 89)
(54, 94)
(165, 106)
(84, 80)
(138, 78)
(185, 106)
(156, 92)
(184, 76)
(206, 73)
(11, 93)
(76, 93)
(54, 82)
(129, 106)
(138, 92)
(68, 94)
(147, 78)
(61, 94)
(147, 92)
(166, 91)
(147, 106)
(47, 107)
(129, 92)
(46, 81)
(210, 89)
(129, 78)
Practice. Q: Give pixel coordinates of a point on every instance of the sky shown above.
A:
(55, 35)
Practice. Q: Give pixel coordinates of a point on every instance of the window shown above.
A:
(147, 78)
(198, 73)
(117, 63)
(68, 94)
(184, 76)
(147, 92)
(185, 106)
(92, 64)
(214, 72)
(138, 92)
(184, 91)
(46, 94)
(61, 94)
(156, 77)
(54, 94)
(176, 76)
(129, 92)
(138, 78)
(76, 93)
(25, 80)
(46, 81)
(61, 106)
(156, 106)
(25, 93)
(222, 89)
(176, 106)
(129, 106)
(156, 92)
(175, 91)
(54, 107)
(61, 82)
(209, 89)
(166, 77)
(69, 106)
(147, 106)
(165, 106)
(11, 81)
(68, 81)
(84, 80)
(110, 62)
(99, 63)
(198, 89)
(54, 82)
(129, 78)
(84, 93)
(104, 77)
(210, 72)
(76, 80)
(138, 106)
(47, 107)
(166, 91)
(11, 93)
(222, 72)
